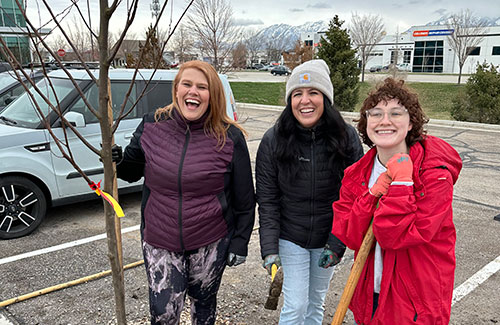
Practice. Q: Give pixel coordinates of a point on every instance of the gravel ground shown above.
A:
(244, 291)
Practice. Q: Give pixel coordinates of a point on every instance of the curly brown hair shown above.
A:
(389, 89)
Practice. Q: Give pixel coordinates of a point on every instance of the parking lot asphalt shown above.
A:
(243, 291)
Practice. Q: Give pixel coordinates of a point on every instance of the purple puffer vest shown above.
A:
(184, 172)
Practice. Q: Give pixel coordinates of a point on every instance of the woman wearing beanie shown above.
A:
(299, 169)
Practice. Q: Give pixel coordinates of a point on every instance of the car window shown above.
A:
(118, 92)
(158, 94)
(23, 111)
(12, 94)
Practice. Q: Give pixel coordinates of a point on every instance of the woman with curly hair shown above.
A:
(404, 184)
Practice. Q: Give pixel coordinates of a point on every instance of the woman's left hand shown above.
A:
(328, 258)
(400, 168)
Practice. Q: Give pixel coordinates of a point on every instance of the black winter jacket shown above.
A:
(300, 211)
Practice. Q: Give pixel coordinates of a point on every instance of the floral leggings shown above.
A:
(173, 274)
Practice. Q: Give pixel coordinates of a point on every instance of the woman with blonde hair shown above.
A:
(198, 197)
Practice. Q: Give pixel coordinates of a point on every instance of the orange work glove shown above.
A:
(381, 185)
(400, 168)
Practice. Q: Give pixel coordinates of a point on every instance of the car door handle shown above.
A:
(129, 135)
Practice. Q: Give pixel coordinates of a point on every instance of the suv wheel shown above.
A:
(22, 207)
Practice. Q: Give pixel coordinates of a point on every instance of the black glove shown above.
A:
(234, 260)
(116, 153)
(328, 258)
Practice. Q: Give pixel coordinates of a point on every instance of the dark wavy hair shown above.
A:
(395, 89)
(334, 127)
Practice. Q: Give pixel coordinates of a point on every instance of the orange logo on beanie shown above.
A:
(305, 78)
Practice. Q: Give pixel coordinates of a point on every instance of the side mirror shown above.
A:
(76, 119)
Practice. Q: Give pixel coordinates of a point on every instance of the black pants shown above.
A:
(173, 274)
(375, 303)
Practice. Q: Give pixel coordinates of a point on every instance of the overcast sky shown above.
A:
(403, 13)
(397, 15)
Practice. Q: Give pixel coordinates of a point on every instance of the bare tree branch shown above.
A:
(467, 34)
(366, 31)
(253, 42)
(89, 27)
(130, 18)
(121, 115)
(212, 23)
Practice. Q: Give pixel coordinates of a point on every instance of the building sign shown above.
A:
(436, 32)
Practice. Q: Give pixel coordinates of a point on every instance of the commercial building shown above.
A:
(427, 49)
(14, 31)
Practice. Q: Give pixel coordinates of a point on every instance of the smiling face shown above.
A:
(307, 106)
(389, 133)
(192, 94)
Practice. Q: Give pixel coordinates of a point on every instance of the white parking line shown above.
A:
(4, 320)
(458, 293)
(62, 246)
(474, 281)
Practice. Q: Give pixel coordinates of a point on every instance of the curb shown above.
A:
(434, 122)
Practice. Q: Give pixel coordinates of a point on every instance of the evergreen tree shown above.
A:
(336, 50)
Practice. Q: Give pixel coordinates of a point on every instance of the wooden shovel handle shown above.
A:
(352, 281)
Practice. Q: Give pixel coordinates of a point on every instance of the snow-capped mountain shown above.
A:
(288, 34)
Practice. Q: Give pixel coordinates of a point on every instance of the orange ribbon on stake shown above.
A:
(110, 199)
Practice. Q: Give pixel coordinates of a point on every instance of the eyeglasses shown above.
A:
(377, 114)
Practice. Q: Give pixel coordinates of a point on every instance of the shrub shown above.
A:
(481, 100)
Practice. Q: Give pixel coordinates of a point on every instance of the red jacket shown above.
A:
(414, 227)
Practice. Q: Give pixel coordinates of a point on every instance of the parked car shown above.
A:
(281, 70)
(376, 68)
(404, 67)
(33, 173)
(257, 66)
(267, 67)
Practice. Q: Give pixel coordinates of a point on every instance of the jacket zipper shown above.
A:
(313, 184)
(179, 184)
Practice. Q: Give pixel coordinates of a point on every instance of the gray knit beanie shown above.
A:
(313, 74)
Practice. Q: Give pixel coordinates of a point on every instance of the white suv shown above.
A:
(34, 176)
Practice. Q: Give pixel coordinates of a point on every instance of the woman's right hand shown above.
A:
(269, 260)
(381, 185)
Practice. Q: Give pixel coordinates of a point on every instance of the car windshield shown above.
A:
(23, 113)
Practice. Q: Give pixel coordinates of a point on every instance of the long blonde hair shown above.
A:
(217, 123)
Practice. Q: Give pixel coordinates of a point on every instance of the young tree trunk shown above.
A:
(459, 73)
(363, 66)
(112, 224)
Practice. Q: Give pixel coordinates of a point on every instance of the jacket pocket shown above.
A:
(414, 298)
